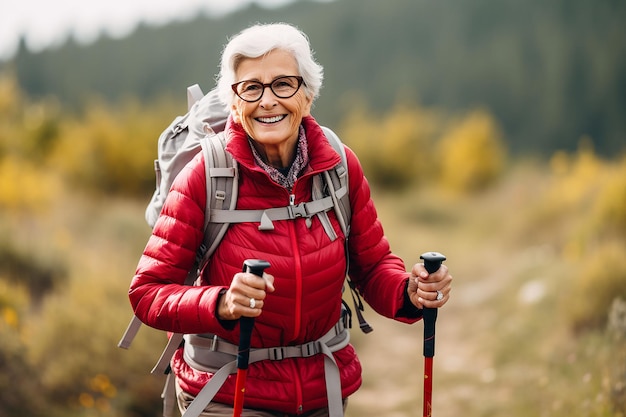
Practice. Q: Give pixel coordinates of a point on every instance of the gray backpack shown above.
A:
(200, 130)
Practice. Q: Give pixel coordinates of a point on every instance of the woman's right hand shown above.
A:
(238, 299)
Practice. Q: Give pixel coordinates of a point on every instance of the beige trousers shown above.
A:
(222, 410)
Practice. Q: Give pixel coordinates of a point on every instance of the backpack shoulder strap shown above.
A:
(222, 185)
(338, 183)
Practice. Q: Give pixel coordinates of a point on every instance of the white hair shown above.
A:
(259, 40)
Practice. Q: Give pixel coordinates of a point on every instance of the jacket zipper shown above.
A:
(298, 299)
(298, 274)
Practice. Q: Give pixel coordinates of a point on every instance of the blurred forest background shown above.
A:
(492, 131)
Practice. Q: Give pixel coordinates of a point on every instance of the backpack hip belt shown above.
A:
(209, 353)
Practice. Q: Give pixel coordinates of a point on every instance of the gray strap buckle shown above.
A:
(301, 351)
(276, 354)
(310, 349)
(297, 211)
(214, 343)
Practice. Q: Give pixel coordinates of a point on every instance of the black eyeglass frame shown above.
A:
(264, 86)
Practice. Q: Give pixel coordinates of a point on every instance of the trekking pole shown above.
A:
(432, 262)
(256, 267)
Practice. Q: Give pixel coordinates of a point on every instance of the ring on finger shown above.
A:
(252, 303)
(439, 295)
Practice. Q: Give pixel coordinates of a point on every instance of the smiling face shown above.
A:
(273, 123)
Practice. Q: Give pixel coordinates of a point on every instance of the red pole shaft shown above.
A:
(240, 389)
(428, 386)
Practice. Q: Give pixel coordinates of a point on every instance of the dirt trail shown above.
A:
(465, 379)
(393, 362)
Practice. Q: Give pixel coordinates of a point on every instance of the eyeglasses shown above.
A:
(282, 87)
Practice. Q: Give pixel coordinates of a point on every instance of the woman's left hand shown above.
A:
(424, 288)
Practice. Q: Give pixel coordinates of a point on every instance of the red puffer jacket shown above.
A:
(308, 270)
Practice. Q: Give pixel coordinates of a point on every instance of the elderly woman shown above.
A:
(269, 81)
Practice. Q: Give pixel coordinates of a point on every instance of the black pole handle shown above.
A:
(256, 267)
(432, 262)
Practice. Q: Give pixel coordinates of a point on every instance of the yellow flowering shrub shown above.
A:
(471, 153)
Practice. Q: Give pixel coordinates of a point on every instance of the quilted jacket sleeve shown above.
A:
(157, 292)
(379, 275)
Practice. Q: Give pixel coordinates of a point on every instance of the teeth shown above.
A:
(271, 119)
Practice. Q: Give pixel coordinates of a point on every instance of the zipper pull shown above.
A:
(292, 199)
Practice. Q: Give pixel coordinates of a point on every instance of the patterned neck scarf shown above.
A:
(300, 161)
